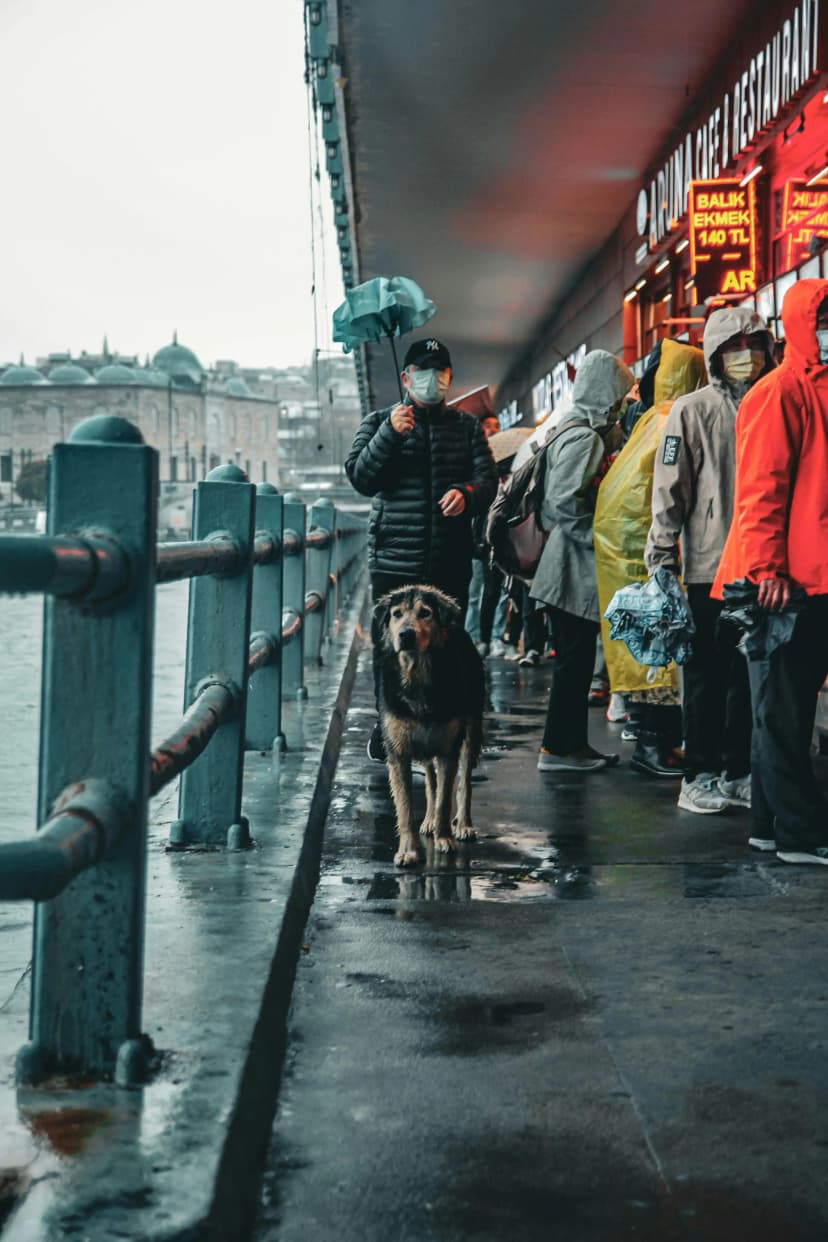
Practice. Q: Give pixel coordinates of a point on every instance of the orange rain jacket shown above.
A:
(780, 517)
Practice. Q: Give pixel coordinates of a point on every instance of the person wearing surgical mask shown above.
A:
(428, 469)
(692, 508)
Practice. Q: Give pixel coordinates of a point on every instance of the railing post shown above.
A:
(322, 517)
(218, 639)
(332, 610)
(87, 972)
(264, 692)
(293, 598)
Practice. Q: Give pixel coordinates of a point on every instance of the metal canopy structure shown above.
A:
(494, 147)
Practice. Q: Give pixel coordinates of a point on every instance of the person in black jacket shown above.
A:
(429, 471)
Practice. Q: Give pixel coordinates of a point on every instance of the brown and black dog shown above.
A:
(431, 696)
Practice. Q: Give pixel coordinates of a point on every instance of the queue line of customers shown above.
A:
(720, 463)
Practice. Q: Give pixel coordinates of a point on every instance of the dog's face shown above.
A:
(414, 619)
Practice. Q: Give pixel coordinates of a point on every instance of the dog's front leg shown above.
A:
(446, 773)
(429, 819)
(462, 822)
(399, 778)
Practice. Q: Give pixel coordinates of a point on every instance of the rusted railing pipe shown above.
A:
(89, 565)
(220, 554)
(264, 650)
(215, 702)
(266, 548)
(292, 543)
(291, 626)
(85, 824)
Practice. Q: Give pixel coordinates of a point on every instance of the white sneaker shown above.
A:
(702, 796)
(531, 657)
(807, 854)
(482, 649)
(497, 649)
(766, 844)
(616, 710)
(736, 792)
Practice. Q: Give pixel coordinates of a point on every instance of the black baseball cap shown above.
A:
(428, 354)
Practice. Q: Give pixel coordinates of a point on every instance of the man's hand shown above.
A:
(774, 594)
(402, 419)
(453, 503)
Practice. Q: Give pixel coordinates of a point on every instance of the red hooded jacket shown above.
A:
(780, 514)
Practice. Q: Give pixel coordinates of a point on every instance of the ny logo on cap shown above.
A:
(432, 344)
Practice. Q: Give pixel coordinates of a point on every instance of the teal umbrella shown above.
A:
(382, 307)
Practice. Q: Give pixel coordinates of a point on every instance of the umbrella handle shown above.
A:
(396, 364)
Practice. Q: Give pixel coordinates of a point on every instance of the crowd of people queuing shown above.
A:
(713, 467)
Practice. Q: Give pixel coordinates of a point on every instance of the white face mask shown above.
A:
(822, 342)
(743, 366)
(428, 387)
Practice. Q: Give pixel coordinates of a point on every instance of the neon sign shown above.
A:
(805, 212)
(723, 238)
(775, 75)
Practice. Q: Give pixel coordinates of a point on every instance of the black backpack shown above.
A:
(513, 528)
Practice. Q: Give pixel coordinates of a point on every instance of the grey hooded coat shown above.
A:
(695, 465)
(565, 577)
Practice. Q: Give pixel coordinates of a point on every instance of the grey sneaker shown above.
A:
(531, 657)
(702, 796)
(498, 649)
(736, 792)
(807, 854)
(482, 649)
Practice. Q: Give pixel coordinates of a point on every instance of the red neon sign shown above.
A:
(805, 212)
(723, 238)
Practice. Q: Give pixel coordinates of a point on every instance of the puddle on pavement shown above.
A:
(576, 882)
(68, 1131)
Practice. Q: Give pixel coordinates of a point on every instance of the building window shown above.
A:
(5, 468)
(247, 467)
(192, 470)
(173, 469)
(264, 471)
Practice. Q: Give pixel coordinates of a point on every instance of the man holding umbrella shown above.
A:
(429, 471)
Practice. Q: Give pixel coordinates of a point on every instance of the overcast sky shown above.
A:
(155, 177)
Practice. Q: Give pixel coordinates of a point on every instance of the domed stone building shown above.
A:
(196, 418)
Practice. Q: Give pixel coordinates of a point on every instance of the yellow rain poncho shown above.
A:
(622, 512)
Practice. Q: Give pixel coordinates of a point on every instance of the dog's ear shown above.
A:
(382, 614)
(446, 609)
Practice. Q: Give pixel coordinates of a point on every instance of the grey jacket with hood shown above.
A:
(565, 577)
(695, 465)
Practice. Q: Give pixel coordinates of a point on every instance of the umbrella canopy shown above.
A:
(384, 306)
(505, 444)
(478, 401)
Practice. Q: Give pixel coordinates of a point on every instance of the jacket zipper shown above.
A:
(430, 507)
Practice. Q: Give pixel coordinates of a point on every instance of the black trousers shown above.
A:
(786, 801)
(716, 694)
(565, 731)
(456, 585)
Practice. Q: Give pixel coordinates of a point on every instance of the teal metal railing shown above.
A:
(268, 580)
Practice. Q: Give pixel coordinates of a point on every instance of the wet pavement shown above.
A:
(604, 1019)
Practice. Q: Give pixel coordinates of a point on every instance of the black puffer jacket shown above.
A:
(407, 475)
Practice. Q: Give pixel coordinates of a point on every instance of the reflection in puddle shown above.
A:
(561, 880)
(573, 883)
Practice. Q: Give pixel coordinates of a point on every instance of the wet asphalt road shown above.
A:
(603, 1020)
